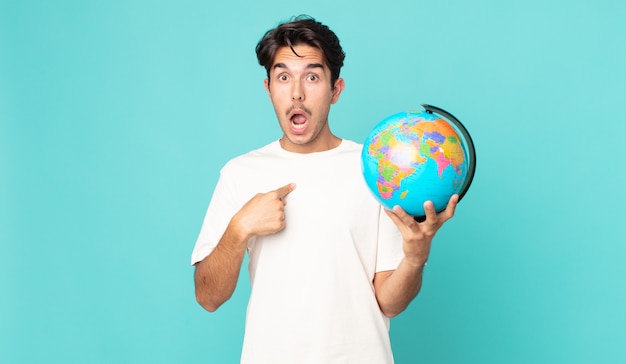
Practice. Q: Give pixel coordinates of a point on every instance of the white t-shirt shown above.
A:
(312, 298)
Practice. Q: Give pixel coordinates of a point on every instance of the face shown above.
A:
(300, 90)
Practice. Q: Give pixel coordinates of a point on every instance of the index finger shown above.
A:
(285, 190)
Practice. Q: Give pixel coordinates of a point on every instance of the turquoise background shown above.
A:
(116, 116)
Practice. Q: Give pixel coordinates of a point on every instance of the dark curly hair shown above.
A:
(302, 29)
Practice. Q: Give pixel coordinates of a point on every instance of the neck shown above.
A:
(319, 146)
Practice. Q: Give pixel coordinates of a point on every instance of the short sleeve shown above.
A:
(389, 253)
(222, 207)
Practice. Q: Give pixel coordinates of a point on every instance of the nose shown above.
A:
(297, 93)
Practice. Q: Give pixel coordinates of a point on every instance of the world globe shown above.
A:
(417, 156)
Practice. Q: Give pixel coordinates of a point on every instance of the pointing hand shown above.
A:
(263, 214)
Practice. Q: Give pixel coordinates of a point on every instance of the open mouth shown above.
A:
(298, 119)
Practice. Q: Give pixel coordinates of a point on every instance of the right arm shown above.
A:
(216, 275)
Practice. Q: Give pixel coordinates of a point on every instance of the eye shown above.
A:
(283, 77)
(313, 77)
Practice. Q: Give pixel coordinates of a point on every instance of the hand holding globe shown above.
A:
(413, 157)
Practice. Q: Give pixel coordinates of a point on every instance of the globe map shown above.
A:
(411, 157)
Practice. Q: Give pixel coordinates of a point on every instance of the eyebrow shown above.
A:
(308, 66)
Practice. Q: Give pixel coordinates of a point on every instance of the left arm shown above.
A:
(395, 289)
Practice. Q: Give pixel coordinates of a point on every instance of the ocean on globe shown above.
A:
(412, 157)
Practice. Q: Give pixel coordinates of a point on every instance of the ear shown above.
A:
(339, 86)
(266, 84)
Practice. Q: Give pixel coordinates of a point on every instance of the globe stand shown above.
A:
(470, 145)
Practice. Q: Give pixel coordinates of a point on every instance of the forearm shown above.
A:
(216, 276)
(397, 290)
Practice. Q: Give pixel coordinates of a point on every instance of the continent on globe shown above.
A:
(412, 157)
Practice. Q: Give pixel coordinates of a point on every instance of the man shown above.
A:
(328, 266)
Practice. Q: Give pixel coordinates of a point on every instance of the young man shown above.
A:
(328, 266)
